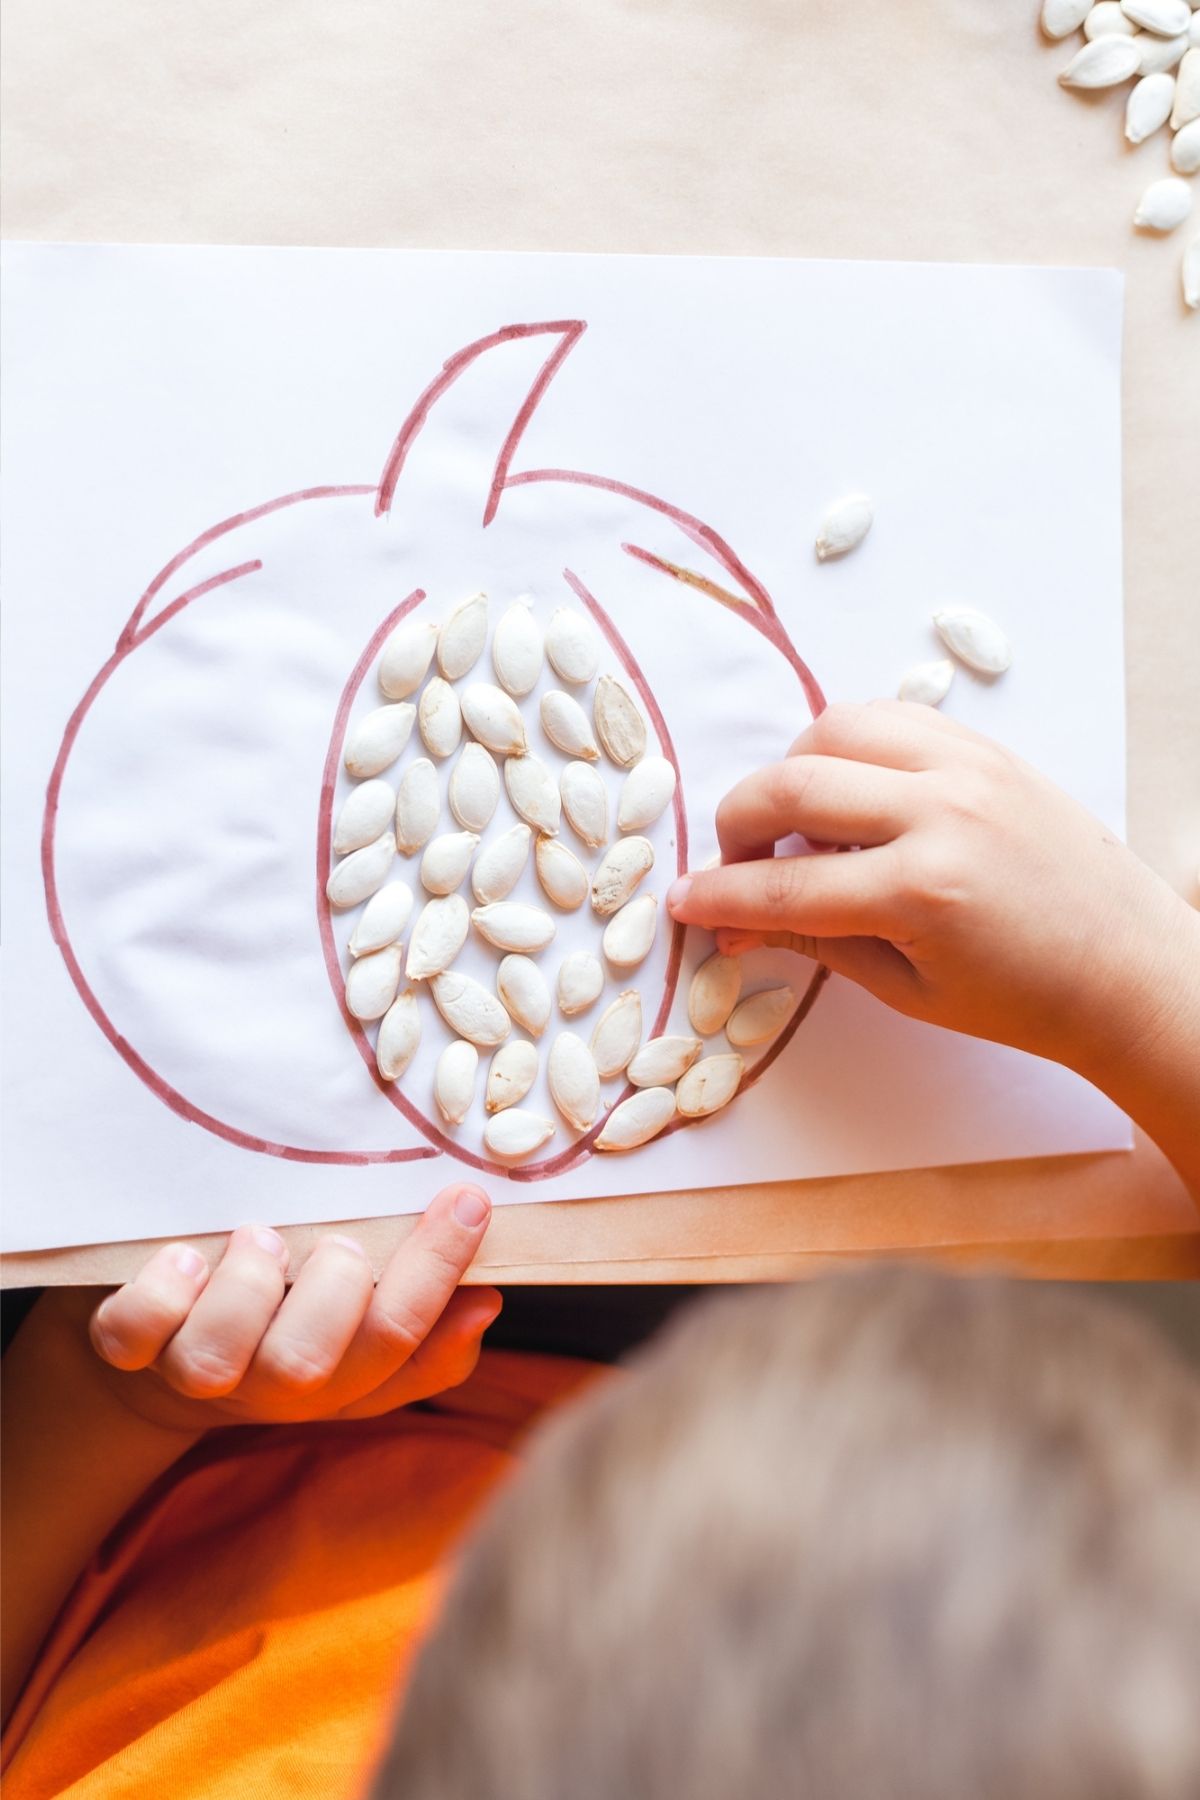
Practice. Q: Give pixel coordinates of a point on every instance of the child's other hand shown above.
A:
(981, 897)
(188, 1350)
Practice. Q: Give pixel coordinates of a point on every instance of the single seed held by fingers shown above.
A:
(714, 993)
(405, 658)
(512, 1074)
(522, 987)
(360, 873)
(617, 1034)
(498, 868)
(446, 861)
(928, 683)
(629, 935)
(974, 638)
(470, 1009)
(460, 644)
(517, 649)
(585, 802)
(636, 1120)
(364, 813)
(760, 1017)
(513, 1134)
(619, 725)
(580, 982)
(573, 1080)
(383, 919)
(377, 740)
(494, 718)
(439, 717)
(708, 1085)
(571, 647)
(843, 526)
(474, 788)
(399, 1036)
(417, 806)
(646, 793)
(454, 1080)
(372, 982)
(437, 937)
(662, 1061)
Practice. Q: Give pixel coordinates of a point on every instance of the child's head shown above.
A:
(890, 1534)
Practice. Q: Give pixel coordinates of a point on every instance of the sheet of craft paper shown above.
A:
(229, 469)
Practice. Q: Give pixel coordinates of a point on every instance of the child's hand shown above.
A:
(187, 1350)
(982, 898)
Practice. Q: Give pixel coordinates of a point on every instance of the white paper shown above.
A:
(179, 1061)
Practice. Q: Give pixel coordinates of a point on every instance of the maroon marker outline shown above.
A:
(759, 612)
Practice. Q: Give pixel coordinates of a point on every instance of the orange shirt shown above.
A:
(242, 1634)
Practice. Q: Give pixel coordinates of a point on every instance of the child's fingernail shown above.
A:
(269, 1240)
(678, 892)
(347, 1243)
(188, 1262)
(471, 1207)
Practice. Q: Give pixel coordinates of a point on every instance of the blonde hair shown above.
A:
(893, 1534)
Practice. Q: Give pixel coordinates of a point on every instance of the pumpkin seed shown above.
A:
(417, 806)
(629, 934)
(561, 874)
(928, 683)
(498, 868)
(760, 1017)
(446, 861)
(470, 1009)
(646, 793)
(1106, 62)
(619, 725)
(377, 740)
(406, 656)
(565, 724)
(533, 793)
(437, 937)
(1148, 106)
(708, 1085)
(440, 718)
(1061, 17)
(585, 802)
(974, 638)
(580, 982)
(372, 982)
(1164, 205)
(573, 1080)
(1156, 55)
(360, 873)
(617, 1034)
(511, 925)
(399, 1036)
(636, 1120)
(514, 1134)
(663, 1060)
(364, 813)
(1106, 20)
(383, 919)
(522, 987)
(1185, 149)
(454, 1080)
(628, 862)
(512, 1074)
(474, 788)
(517, 649)
(462, 637)
(714, 993)
(844, 524)
(1166, 18)
(494, 717)
(571, 647)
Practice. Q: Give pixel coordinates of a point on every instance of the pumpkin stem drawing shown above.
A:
(188, 838)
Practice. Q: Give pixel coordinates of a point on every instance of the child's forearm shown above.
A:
(1149, 1063)
(75, 1461)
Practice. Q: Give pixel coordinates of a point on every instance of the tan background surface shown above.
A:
(730, 127)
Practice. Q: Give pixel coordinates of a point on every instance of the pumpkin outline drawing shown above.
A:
(746, 597)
